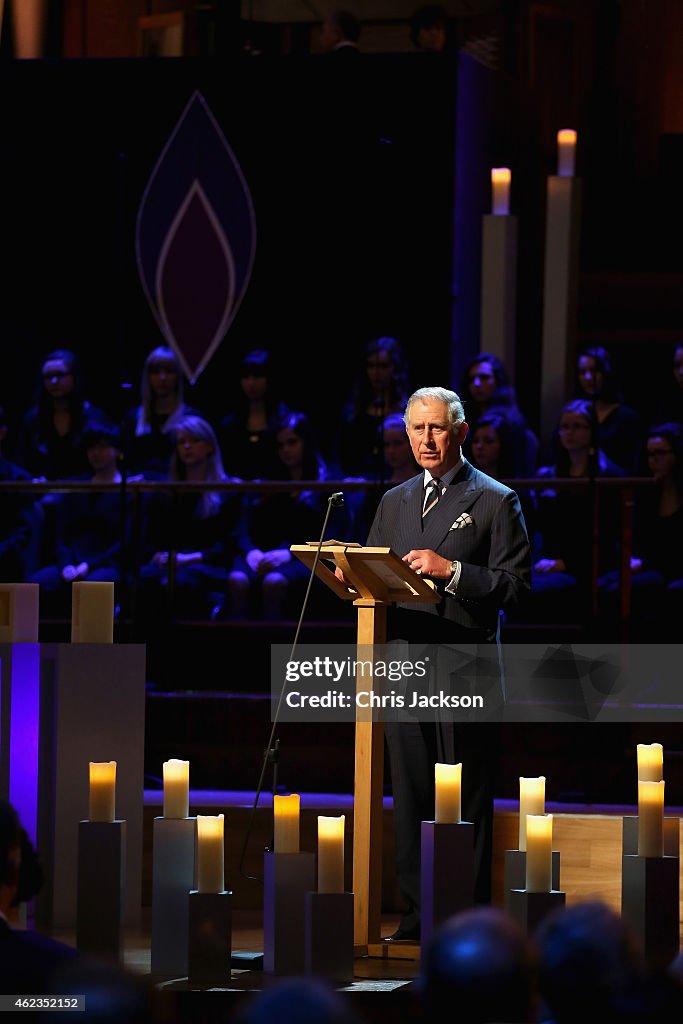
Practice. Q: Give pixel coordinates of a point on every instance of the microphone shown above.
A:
(336, 500)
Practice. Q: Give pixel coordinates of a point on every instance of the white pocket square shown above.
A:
(464, 520)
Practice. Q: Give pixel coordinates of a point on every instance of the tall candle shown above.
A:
(330, 854)
(286, 813)
(650, 762)
(500, 190)
(102, 803)
(531, 801)
(447, 783)
(650, 819)
(566, 152)
(176, 788)
(92, 613)
(210, 866)
(539, 852)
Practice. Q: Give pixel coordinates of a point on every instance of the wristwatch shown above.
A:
(453, 567)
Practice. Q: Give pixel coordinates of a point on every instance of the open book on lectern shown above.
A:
(374, 573)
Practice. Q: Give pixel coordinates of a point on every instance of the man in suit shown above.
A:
(466, 533)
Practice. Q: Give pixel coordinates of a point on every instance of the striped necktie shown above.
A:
(432, 495)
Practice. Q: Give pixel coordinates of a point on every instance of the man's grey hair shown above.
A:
(456, 413)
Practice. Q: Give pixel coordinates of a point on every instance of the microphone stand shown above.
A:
(271, 754)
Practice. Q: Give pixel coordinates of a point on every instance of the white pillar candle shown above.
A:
(650, 762)
(539, 852)
(92, 613)
(566, 152)
(286, 829)
(500, 190)
(330, 854)
(447, 793)
(531, 801)
(102, 803)
(176, 788)
(210, 864)
(650, 819)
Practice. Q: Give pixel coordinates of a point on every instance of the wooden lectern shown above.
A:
(376, 577)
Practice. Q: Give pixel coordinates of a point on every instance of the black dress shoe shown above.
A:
(404, 934)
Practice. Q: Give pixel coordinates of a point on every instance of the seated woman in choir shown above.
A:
(267, 579)
(619, 429)
(380, 388)
(149, 429)
(191, 536)
(50, 442)
(91, 528)
(657, 551)
(486, 388)
(562, 571)
(248, 430)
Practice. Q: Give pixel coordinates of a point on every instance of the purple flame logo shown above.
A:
(195, 238)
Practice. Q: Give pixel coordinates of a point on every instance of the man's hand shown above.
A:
(426, 562)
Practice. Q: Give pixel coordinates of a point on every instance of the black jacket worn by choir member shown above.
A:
(88, 529)
(45, 453)
(149, 446)
(177, 525)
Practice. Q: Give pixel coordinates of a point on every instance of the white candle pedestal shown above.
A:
(19, 613)
(92, 613)
(499, 286)
(329, 948)
(514, 876)
(560, 290)
(629, 836)
(173, 877)
(649, 902)
(446, 873)
(101, 888)
(209, 937)
(92, 708)
(287, 877)
(529, 908)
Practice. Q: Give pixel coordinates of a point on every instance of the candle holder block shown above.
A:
(209, 937)
(329, 936)
(19, 613)
(629, 836)
(649, 902)
(499, 286)
(514, 876)
(446, 873)
(529, 908)
(101, 888)
(287, 877)
(173, 876)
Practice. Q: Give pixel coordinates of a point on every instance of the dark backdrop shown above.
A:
(352, 174)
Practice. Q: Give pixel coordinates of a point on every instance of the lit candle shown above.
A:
(92, 613)
(531, 801)
(650, 819)
(330, 854)
(210, 870)
(102, 804)
(566, 152)
(447, 781)
(500, 190)
(176, 788)
(539, 852)
(286, 811)
(650, 762)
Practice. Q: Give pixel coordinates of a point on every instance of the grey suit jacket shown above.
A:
(493, 551)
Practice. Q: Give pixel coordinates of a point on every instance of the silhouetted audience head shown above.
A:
(589, 961)
(10, 856)
(340, 29)
(480, 966)
(595, 376)
(296, 1001)
(429, 28)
